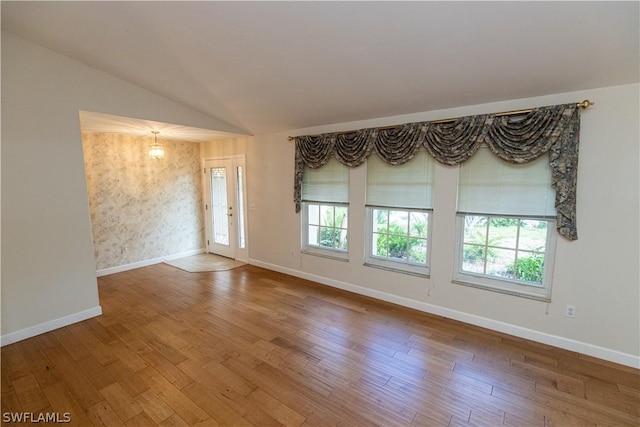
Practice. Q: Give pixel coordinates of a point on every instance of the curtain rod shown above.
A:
(582, 105)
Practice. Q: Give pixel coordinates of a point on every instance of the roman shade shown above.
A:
(489, 185)
(329, 184)
(407, 186)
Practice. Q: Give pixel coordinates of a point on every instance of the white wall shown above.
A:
(598, 273)
(48, 267)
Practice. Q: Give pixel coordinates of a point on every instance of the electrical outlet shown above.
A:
(571, 311)
(293, 253)
(123, 250)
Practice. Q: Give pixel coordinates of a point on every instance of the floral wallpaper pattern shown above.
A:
(142, 208)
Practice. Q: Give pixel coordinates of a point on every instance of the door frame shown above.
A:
(240, 253)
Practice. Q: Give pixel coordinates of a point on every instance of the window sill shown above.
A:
(338, 256)
(504, 290)
(399, 270)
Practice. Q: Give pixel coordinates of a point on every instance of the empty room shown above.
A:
(320, 213)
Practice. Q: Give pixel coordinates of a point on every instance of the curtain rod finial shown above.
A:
(585, 104)
(291, 138)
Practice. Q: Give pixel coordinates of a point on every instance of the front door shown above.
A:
(221, 209)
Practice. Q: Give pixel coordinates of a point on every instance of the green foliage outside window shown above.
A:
(491, 243)
(332, 232)
(529, 269)
(395, 241)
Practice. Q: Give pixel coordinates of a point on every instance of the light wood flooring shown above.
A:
(254, 347)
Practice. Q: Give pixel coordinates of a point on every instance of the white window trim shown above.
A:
(404, 267)
(507, 286)
(306, 248)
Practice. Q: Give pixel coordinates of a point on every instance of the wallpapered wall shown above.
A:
(142, 208)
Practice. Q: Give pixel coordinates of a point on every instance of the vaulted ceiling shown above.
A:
(272, 66)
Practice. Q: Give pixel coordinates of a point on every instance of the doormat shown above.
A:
(205, 262)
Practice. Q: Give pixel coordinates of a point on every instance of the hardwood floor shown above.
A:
(254, 347)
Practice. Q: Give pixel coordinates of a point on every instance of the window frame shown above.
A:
(515, 287)
(386, 263)
(403, 188)
(324, 251)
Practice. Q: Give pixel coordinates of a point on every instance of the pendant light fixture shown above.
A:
(156, 150)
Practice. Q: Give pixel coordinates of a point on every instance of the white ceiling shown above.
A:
(98, 122)
(272, 66)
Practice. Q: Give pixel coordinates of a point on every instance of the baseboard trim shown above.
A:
(147, 262)
(507, 328)
(50, 325)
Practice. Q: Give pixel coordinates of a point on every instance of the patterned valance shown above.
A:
(518, 138)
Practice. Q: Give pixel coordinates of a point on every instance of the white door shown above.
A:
(221, 238)
(224, 207)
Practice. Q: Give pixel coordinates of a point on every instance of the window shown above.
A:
(399, 214)
(505, 225)
(327, 226)
(325, 210)
(240, 220)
